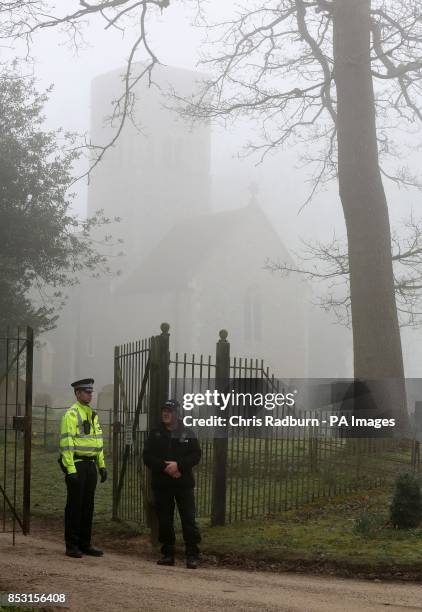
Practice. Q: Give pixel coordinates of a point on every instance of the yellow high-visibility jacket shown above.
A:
(74, 441)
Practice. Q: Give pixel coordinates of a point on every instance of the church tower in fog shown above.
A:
(158, 172)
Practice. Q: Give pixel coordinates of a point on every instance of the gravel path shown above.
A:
(131, 583)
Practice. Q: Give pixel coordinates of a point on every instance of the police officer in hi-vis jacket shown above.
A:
(81, 452)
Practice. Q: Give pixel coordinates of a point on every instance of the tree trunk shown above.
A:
(376, 334)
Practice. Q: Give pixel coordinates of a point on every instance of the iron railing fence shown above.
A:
(132, 389)
(249, 471)
(277, 470)
(16, 358)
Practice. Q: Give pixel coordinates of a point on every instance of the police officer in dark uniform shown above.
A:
(171, 452)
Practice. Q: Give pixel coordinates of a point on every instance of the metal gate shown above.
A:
(132, 364)
(246, 471)
(142, 374)
(16, 358)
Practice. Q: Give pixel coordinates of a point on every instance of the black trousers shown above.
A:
(165, 500)
(80, 505)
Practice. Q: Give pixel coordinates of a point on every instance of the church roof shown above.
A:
(175, 259)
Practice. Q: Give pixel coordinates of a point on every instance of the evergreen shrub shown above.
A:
(406, 506)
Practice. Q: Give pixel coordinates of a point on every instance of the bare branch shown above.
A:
(329, 264)
(24, 18)
(319, 56)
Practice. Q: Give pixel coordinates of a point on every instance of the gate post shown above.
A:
(220, 445)
(28, 431)
(160, 375)
(158, 394)
(116, 431)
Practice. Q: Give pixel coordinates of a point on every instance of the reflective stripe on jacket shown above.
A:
(73, 439)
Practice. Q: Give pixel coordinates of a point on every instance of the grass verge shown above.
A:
(346, 535)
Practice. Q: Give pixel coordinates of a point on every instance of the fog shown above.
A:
(248, 212)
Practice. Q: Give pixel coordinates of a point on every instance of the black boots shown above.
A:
(192, 558)
(166, 560)
(92, 551)
(73, 551)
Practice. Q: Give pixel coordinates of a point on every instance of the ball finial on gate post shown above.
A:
(164, 328)
(223, 333)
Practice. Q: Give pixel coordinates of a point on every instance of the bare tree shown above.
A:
(20, 20)
(306, 70)
(328, 265)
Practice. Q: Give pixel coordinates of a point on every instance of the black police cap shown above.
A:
(172, 405)
(84, 383)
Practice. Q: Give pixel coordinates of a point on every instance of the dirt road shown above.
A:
(122, 582)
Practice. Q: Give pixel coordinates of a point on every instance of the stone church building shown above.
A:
(185, 261)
